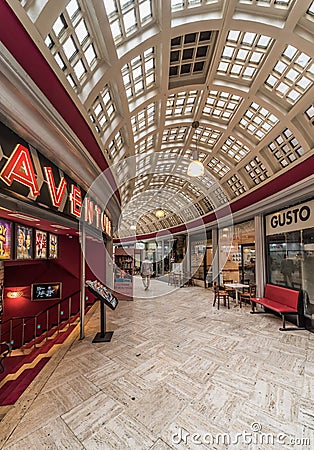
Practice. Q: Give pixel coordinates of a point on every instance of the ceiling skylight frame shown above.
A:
(292, 75)
(221, 105)
(236, 185)
(128, 14)
(75, 54)
(258, 121)
(235, 149)
(139, 75)
(144, 118)
(218, 167)
(256, 170)
(243, 54)
(182, 103)
(285, 148)
(103, 110)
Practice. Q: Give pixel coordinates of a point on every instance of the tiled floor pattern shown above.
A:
(177, 369)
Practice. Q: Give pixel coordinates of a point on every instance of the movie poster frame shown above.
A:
(40, 258)
(31, 230)
(11, 239)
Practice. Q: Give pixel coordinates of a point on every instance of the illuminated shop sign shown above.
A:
(26, 172)
(295, 218)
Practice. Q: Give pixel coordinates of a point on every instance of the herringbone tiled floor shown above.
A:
(176, 370)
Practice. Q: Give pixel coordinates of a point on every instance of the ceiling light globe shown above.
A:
(195, 169)
(160, 213)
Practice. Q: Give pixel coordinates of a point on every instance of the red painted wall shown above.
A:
(17, 274)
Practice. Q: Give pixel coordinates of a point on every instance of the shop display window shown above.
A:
(237, 252)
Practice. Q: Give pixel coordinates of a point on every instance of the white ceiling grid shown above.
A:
(142, 71)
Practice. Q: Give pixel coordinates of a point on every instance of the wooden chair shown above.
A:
(220, 294)
(246, 296)
(230, 291)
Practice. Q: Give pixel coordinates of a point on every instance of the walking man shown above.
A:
(146, 272)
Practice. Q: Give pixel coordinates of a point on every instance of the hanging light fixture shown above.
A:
(196, 167)
(159, 213)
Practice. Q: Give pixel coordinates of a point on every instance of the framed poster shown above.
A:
(23, 242)
(1, 285)
(40, 244)
(53, 246)
(46, 291)
(5, 239)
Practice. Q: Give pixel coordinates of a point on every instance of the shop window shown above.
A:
(285, 251)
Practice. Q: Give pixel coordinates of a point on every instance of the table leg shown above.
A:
(237, 297)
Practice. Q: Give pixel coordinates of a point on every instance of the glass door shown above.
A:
(247, 269)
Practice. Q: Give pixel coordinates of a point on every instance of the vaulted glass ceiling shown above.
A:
(141, 71)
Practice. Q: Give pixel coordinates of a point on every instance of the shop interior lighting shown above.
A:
(21, 216)
(60, 227)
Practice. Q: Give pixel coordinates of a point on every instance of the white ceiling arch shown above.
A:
(141, 71)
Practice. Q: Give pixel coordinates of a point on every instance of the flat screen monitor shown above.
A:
(23, 242)
(46, 291)
(5, 239)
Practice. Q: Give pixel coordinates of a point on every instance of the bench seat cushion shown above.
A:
(275, 306)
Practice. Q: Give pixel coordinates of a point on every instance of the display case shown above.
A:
(123, 272)
(124, 263)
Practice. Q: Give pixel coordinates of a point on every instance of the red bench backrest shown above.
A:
(282, 295)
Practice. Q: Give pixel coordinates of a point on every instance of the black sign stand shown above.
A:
(103, 335)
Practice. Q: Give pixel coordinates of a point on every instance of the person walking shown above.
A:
(146, 272)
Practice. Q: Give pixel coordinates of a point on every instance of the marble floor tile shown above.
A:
(158, 407)
(53, 436)
(174, 365)
(160, 445)
(121, 432)
(91, 415)
(127, 389)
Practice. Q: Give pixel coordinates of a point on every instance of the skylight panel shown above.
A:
(243, 53)
(72, 8)
(71, 44)
(139, 74)
(221, 105)
(145, 9)
(81, 31)
(310, 11)
(218, 167)
(257, 171)
(129, 20)
(292, 75)
(258, 121)
(90, 54)
(127, 17)
(79, 69)
(285, 148)
(59, 26)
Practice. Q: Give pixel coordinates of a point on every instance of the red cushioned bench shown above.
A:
(281, 300)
